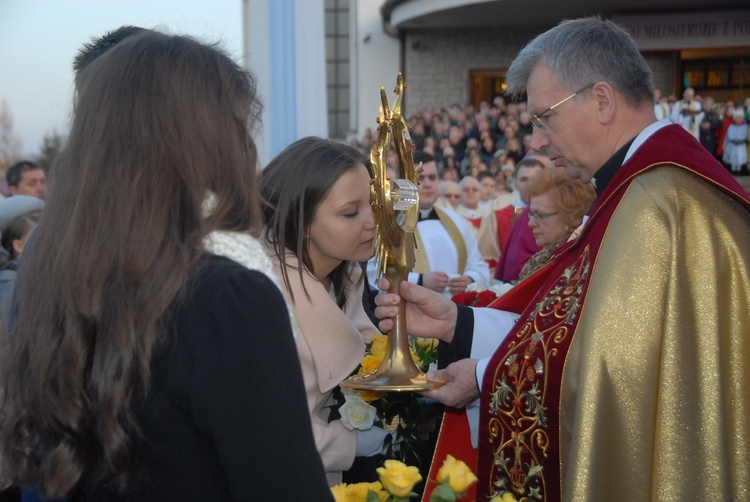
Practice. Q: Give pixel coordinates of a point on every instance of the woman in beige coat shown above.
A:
(318, 214)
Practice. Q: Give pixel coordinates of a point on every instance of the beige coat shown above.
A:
(330, 344)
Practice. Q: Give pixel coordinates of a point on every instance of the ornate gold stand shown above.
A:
(395, 203)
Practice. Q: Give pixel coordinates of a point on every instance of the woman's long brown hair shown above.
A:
(160, 122)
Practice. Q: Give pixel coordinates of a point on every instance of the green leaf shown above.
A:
(372, 497)
(535, 493)
(534, 470)
(443, 493)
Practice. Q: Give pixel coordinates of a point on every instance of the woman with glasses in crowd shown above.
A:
(558, 205)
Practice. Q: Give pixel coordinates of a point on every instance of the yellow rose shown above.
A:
(398, 478)
(507, 497)
(377, 488)
(358, 492)
(377, 348)
(459, 473)
(369, 363)
(339, 492)
(370, 395)
(426, 343)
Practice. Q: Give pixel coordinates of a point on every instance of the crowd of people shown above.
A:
(493, 137)
(477, 151)
(185, 344)
(466, 141)
(721, 127)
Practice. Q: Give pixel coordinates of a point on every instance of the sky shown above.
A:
(40, 38)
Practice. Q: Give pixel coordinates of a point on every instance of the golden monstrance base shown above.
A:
(389, 382)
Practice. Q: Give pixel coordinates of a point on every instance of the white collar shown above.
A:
(644, 135)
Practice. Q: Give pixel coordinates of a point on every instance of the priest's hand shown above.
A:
(459, 283)
(436, 281)
(428, 314)
(460, 381)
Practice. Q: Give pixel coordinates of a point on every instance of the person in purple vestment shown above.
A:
(520, 245)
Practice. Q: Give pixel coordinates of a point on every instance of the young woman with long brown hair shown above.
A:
(319, 227)
(144, 365)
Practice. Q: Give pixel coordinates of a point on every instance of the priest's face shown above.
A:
(428, 185)
(568, 132)
(470, 192)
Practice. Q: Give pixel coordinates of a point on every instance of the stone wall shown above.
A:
(662, 66)
(437, 62)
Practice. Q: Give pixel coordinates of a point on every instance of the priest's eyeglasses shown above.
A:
(534, 215)
(536, 119)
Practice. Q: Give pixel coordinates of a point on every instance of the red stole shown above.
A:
(505, 218)
(475, 222)
(454, 437)
(519, 437)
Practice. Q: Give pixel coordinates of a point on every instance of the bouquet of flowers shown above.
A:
(402, 413)
(477, 295)
(397, 481)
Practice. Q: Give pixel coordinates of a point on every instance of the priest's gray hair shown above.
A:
(585, 51)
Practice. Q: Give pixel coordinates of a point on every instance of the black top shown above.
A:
(605, 173)
(463, 336)
(226, 415)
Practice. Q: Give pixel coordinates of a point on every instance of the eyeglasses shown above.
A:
(452, 196)
(535, 119)
(470, 189)
(533, 215)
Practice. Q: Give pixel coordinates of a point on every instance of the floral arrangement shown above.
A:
(397, 481)
(399, 412)
(477, 295)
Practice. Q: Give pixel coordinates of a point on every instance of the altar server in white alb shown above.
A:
(447, 258)
(688, 113)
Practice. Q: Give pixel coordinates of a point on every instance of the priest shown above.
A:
(625, 376)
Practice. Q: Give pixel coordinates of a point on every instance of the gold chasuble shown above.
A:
(627, 377)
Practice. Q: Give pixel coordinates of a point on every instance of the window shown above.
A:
(337, 66)
(716, 74)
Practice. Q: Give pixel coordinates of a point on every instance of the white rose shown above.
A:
(357, 414)
(475, 286)
(501, 288)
